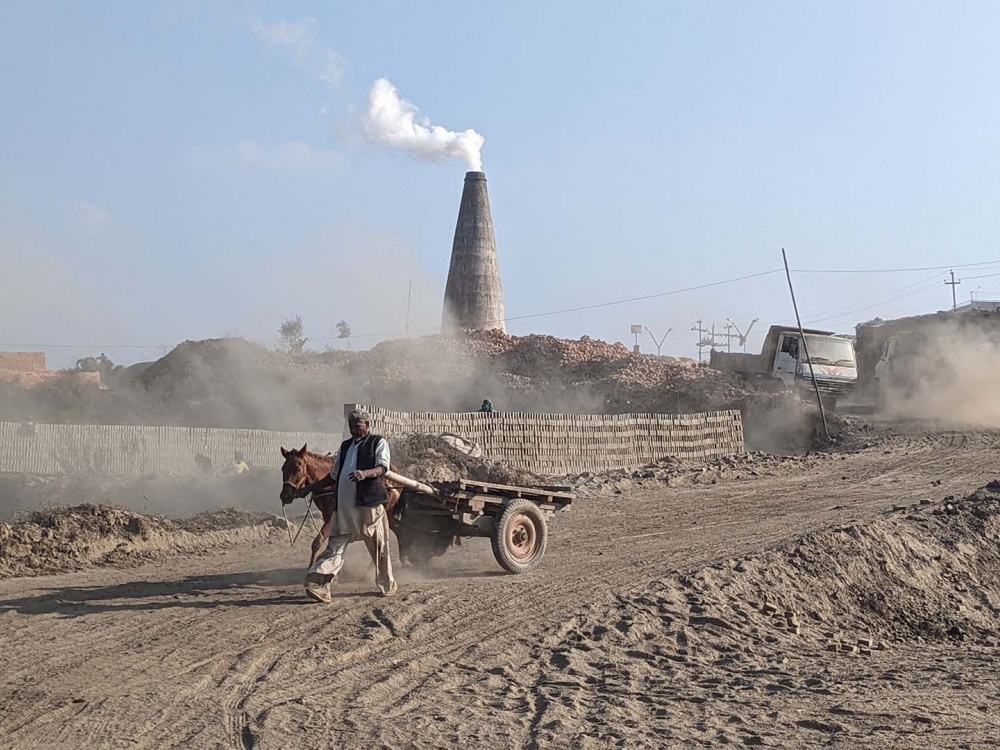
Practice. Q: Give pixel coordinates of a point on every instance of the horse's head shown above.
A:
(294, 473)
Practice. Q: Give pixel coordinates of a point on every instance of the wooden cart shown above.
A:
(430, 518)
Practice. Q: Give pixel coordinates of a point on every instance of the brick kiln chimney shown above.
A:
(473, 297)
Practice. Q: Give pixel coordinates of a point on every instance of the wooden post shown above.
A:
(805, 348)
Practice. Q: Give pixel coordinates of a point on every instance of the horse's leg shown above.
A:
(324, 506)
(319, 542)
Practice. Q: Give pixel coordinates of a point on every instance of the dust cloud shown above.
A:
(947, 374)
(235, 383)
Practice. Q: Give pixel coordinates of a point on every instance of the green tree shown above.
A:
(290, 335)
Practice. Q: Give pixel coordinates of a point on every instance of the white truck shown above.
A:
(782, 363)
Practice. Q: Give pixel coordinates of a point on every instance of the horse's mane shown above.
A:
(327, 458)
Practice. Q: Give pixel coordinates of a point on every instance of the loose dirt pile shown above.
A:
(629, 382)
(175, 497)
(224, 519)
(427, 458)
(529, 373)
(235, 383)
(812, 643)
(67, 539)
(675, 472)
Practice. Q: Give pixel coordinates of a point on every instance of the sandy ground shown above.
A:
(222, 650)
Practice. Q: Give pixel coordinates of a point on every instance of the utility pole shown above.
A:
(953, 284)
(701, 331)
(716, 336)
(729, 336)
(805, 346)
(659, 343)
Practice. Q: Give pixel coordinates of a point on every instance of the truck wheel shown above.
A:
(519, 536)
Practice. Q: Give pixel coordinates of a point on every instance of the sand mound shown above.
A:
(768, 635)
(223, 519)
(66, 539)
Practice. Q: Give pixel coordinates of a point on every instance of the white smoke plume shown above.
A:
(300, 37)
(396, 123)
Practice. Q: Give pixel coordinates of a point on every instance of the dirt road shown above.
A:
(224, 651)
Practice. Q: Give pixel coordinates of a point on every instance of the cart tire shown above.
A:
(520, 536)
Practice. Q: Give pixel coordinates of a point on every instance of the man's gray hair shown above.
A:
(359, 415)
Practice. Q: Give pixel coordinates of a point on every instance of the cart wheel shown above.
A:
(519, 536)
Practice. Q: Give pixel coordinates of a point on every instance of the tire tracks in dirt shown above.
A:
(162, 669)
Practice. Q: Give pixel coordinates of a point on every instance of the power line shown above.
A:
(894, 270)
(984, 276)
(704, 286)
(600, 305)
(893, 296)
(531, 316)
(882, 297)
(579, 308)
(877, 304)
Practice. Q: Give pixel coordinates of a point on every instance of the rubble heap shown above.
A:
(427, 458)
(235, 383)
(59, 540)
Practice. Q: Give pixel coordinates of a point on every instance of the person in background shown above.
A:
(239, 464)
(359, 515)
(487, 406)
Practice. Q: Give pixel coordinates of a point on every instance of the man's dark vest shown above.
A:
(371, 492)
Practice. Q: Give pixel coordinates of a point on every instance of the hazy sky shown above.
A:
(186, 170)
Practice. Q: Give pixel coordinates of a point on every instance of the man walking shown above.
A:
(359, 508)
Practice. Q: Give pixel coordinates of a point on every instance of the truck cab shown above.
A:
(783, 364)
(832, 358)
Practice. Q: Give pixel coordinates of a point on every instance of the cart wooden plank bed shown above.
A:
(430, 518)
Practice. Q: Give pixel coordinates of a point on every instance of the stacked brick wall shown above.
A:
(130, 450)
(571, 443)
(544, 443)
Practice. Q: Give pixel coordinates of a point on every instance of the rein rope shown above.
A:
(308, 514)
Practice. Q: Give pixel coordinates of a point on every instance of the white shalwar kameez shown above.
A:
(352, 522)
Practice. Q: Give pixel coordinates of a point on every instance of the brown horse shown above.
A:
(302, 468)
